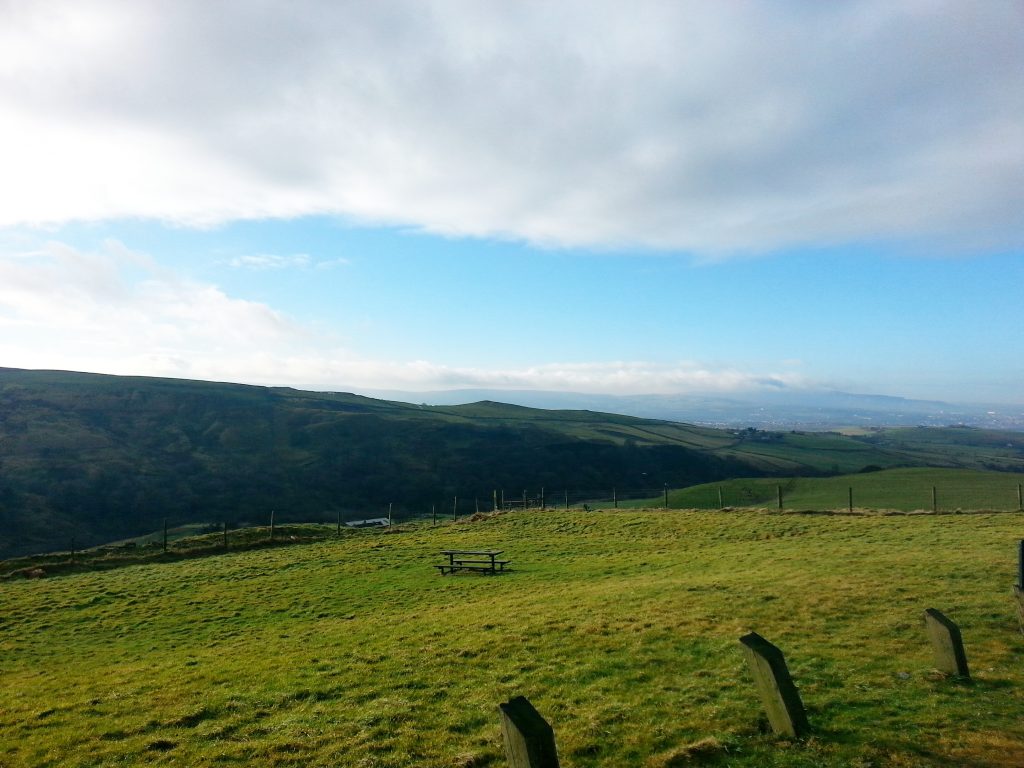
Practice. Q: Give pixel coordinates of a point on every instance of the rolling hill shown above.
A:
(98, 458)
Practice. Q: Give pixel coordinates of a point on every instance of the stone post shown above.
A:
(779, 695)
(947, 644)
(529, 740)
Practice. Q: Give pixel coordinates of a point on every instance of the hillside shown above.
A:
(96, 458)
(621, 627)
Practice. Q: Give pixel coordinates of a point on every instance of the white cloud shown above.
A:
(263, 261)
(116, 311)
(713, 127)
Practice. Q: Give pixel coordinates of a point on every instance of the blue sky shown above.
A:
(667, 198)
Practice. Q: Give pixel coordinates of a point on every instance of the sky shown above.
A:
(605, 197)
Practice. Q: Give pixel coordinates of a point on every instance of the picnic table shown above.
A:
(479, 560)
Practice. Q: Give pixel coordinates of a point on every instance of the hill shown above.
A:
(97, 458)
(621, 627)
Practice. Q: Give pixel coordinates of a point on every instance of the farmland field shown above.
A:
(904, 490)
(620, 626)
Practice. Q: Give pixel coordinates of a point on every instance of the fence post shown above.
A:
(529, 739)
(433, 513)
(390, 504)
(543, 504)
(778, 490)
(455, 510)
(339, 522)
(720, 504)
(665, 489)
(494, 495)
(615, 499)
(271, 525)
(476, 502)
(850, 489)
(935, 500)
(566, 499)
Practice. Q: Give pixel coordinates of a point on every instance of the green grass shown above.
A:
(904, 490)
(621, 627)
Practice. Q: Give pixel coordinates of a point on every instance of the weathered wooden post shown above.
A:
(455, 510)
(543, 504)
(850, 499)
(779, 695)
(720, 504)
(947, 644)
(529, 739)
(339, 522)
(390, 505)
(778, 490)
(935, 500)
(271, 525)
(165, 535)
(665, 489)
(615, 499)
(433, 513)
(495, 499)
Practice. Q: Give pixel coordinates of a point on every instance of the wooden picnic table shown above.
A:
(479, 560)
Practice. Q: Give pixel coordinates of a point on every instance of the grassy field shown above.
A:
(904, 490)
(621, 627)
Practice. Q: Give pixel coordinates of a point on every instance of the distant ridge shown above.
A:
(97, 458)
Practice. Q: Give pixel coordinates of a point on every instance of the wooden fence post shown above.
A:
(720, 504)
(615, 499)
(947, 644)
(779, 695)
(529, 739)
(390, 505)
(567, 499)
(935, 500)
(850, 499)
(339, 522)
(455, 510)
(665, 489)
(778, 490)
(433, 513)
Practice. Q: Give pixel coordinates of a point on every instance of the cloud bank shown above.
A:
(116, 311)
(706, 127)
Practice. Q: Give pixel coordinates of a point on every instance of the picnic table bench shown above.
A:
(479, 560)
